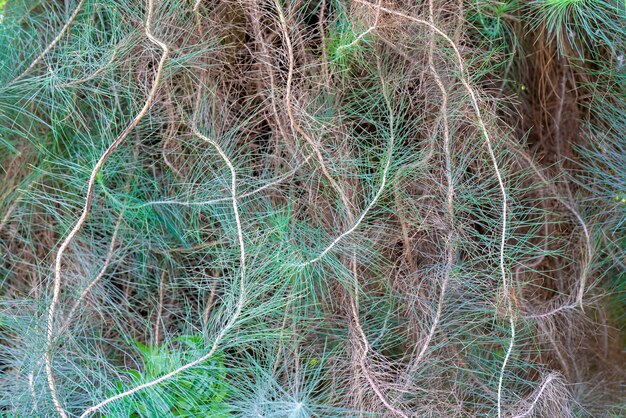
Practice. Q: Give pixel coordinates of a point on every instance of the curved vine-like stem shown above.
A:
(100, 274)
(241, 298)
(242, 271)
(289, 107)
(494, 161)
(52, 44)
(87, 206)
(449, 194)
(542, 388)
(354, 300)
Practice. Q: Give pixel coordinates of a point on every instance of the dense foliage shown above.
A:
(281, 208)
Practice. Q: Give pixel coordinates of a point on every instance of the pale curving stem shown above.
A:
(543, 387)
(474, 100)
(359, 220)
(345, 201)
(289, 107)
(266, 186)
(506, 358)
(242, 266)
(569, 206)
(379, 192)
(363, 355)
(265, 60)
(551, 312)
(241, 297)
(99, 276)
(449, 194)
(92, 75)
(31, 386)
(354, 300)
(52, 44)
(88, 202)
(196, 8)
(364, 33)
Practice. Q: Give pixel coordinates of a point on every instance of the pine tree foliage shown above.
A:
(312, 208)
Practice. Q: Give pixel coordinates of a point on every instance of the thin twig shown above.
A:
(242, 273)
(363, 355)
(52, 44)
(450, 190)
(554, 311)
(31, 386)
(89, 200)
(354, 299)
(543, 387)
(238, 308)
(268, 185)
(289, 107)
(362, 34)
(265, 59)
(363, 214)
(100, 274)
(92, 75)
(494, 161)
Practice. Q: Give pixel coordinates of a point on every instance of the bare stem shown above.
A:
(543, 387)
(289, 107)
(241, 298)
(87, 206)
(362, 34)
(354, 299)
(494, 161)
(52, 44)
(100, 274)
(450, 190)
(238, 308)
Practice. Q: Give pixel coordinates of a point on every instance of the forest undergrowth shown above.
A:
(295, 208)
